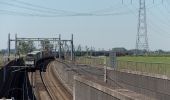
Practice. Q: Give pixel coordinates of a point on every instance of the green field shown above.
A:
(141, 59)
(145, 59)
(155, 65)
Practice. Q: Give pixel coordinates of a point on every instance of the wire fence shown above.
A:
(151, 68)
(149, 79)
(95, 61)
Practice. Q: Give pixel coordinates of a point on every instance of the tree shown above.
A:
(46, 45)
(31, 46)
(78, 51)
(87, 50)
(25, 47)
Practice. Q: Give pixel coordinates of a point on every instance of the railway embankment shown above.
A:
(92, 87)
(152, 85)
(13, 81)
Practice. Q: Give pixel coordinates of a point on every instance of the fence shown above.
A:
(95, 61)
(153, 68)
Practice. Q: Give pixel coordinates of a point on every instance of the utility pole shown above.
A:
(91, 52)
(16, 48)
(105, 70)
(9, 45)
(4, 73)
(112, 56)
(59, 46)
(142, 39)
(55, 48)
(72, 48)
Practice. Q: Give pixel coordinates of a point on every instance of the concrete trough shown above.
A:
(151, 85)
(86, 88)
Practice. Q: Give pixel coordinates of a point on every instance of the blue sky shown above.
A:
(116, 30)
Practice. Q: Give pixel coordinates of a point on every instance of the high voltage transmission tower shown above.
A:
(142, 38)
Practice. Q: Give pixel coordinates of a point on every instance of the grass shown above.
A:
(155, 65)
(145, 59)
(90, 60)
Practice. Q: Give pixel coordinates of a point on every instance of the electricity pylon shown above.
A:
(142, 39)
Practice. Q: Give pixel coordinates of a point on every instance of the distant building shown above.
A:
(120, 51)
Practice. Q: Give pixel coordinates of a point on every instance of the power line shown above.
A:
(158, 32)
(157, 27)
(106, 10)
(161, 21)
(41, 7)
(132, 11)
(53, 12)
(131, 1)
(8, 12)
(32, 9)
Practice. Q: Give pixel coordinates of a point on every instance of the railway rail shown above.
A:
(47, 86)
(54, 85)
(38, 86)
(86, 70)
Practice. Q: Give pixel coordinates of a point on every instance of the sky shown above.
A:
(103, 24)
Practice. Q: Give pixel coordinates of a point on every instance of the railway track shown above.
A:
(54, 86)
(46, 85)
(86, 70)
(38, 86)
